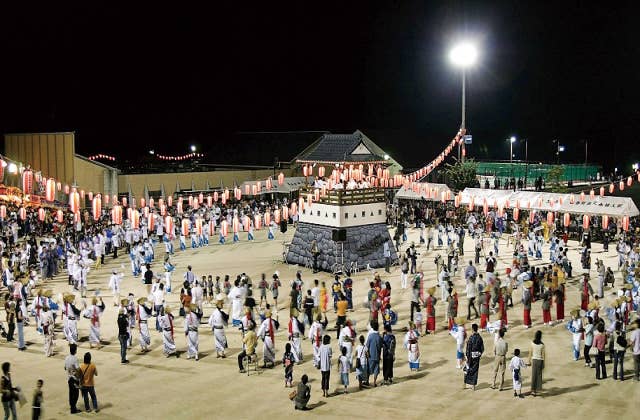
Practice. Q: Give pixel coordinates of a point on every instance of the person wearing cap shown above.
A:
(217, 321)
(459, 334)
(114, 285)
(191, 323)
(70, 319)
(267, 333)
(123, 334)
(413, 349)
(94, 312)
(575, 327)
(143, 313)
(168, 341)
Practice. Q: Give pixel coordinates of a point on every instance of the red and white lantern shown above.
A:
(276, 216)
(185, 227)
(235, 224)
(585, 221)
(621, 185)
(209, 201)
(41, 214)
(611, 188)
(629, 181)
(135, 219)
(27, 181)
(257, 222)
(280, 178)
(625, 223)
(549, 218)
(74, 201)
(605, 222)
(96, 206)
(116, 215)
(592, 194)
(199, 227)
(516, 214)
(224, 228)
(567, 219)
(50, 190)
(601, 191)
(3, 212)
(267, 218)
(170, 201)
(59, 216)
(169, 226)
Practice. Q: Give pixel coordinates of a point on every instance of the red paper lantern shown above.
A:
(235, 224)
(124, 201)
(143, 202)
(170, 201)
(309, 200)
(585, 221)
(305, 171)
(257, 222)
(592, 194)
(179, 207)
(200, 198)
(280, 178)
(611, 188)
(59, 216)
(97, 207)
(582, 196)
(237, 193)
(169, 226)
(456, 201)
(625, 223)
(301, 204)
(27, 181)
(151, 221)
(215, 196)
(3, 212)
(276, 216)
(209, 201)
(516, 214)
(145, 211)
(185, 227)
(550, 218)
(41, 214)
(163, 210)
(59, 186)
(90, 195)
(629, 181)
(247, 189)
(267, 218)
(601, 191)
(471, 206)
(66, 189)
(572, 199)
(116, 215)
(50, 189)
(224, 228)
(151, 202)
(294, 209)
(621, 185)
(285, 213)
(199, 227)
(74, 201)
(269, 183)
(532, 215)
(605, 222)
(226, 194)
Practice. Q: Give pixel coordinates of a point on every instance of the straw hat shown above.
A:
(454, 292)
(220, 297)
(193, 306)
(592, 305)
(39, 291)
(142, 300)
(94, 300)
(267, 314)
(627, 298)
(562, 280)
(627, 286)
(294, 313)
(47, 293)
(616, 303)
(575, 312)
(548, 285)
(431, 290)
(68, 297)
(527, 284)
(124, 302)
(460, 320)
(168, 309)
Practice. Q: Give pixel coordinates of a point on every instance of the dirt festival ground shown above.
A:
(152, 386)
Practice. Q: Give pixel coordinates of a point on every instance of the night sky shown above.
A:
(127, 80)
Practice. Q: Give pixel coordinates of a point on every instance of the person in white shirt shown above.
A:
(158, 304)
(197, 295)
(114, 285)
(315, 294)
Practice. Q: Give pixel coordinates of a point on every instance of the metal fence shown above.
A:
(531, 171)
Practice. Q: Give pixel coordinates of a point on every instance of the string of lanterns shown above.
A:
(102, 156)
(183, 157)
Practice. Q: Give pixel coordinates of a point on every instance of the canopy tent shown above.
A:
(424, 191)
(291, 184)
(546, 201)
(609, 205)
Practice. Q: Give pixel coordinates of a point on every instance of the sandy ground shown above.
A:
(153, 386)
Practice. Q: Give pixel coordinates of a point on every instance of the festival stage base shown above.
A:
(364, 244)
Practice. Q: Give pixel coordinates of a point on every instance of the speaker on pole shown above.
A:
(339, 235)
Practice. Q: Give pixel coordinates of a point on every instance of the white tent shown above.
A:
(546, 201)
(424, 191)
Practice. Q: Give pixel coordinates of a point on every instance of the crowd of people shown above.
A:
(28, 265)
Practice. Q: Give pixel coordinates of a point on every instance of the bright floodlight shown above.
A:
(463, 55)
(13, 168)
(193, 148)
(513, 139)
(386, 157)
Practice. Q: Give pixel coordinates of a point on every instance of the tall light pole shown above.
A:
(511, 141)
(463, 55)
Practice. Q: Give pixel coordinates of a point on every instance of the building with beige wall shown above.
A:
(54, 156)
